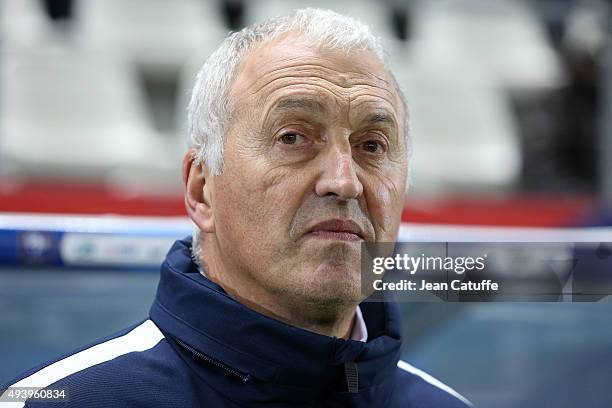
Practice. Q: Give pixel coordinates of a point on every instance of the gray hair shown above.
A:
(209, 110)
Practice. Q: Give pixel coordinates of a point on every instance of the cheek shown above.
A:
(229, 209)
(258, 203)
(385, 202)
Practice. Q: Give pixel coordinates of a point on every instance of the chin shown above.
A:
(334, 268)
(334, 282)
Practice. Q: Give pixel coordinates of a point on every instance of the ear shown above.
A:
(198, 188)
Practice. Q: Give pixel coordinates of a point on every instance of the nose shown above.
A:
(338, 176)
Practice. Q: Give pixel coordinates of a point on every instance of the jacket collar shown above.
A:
(191, 308)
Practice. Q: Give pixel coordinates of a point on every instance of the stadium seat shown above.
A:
(159, 35)
(23, 23)
(376, 14)
(503, 38)
(70, 112)
(463, 130)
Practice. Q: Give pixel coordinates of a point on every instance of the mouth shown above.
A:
(336, 229)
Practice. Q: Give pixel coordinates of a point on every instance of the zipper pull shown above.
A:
(352, 377)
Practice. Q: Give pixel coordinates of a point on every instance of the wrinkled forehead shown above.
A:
(289, 62)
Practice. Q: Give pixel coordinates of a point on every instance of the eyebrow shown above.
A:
(313, 105)
(305, 104)
(379, 117)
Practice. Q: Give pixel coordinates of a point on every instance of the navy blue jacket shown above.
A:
(201, 348)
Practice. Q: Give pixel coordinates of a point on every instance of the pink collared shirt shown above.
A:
(360, 331)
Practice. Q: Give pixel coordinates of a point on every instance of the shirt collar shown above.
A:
(360, 331)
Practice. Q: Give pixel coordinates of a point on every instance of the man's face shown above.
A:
(314, 164)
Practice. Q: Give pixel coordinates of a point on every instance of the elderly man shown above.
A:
(299, 154)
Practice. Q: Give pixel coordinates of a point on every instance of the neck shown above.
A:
(332, 323)
(329, 320)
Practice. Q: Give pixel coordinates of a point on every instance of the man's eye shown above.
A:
(291, 138)
(372, 146)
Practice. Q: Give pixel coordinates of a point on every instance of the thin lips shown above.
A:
(338, 226)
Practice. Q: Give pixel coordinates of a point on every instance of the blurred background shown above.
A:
(511, 117)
